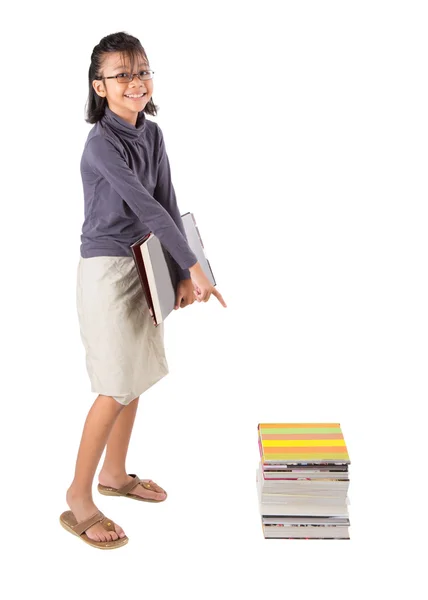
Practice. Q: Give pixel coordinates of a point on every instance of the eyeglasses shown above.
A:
(127, 77)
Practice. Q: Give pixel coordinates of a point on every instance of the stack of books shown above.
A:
(303, 480)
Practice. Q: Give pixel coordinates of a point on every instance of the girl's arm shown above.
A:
(104, 158)
(165, 194)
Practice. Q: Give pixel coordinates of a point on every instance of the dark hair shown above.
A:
(129, 47)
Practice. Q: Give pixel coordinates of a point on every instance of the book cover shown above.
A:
(302, 442)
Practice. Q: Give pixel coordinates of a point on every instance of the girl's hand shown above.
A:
(185, 294)
(203, 287)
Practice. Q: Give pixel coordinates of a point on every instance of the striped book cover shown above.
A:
(302, 442)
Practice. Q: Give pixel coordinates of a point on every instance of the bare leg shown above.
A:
(96, 430)
(114, 472)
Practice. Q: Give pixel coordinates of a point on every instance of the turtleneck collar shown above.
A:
(124, 129)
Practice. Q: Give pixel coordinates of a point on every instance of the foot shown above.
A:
(82, 509)
(118, 481)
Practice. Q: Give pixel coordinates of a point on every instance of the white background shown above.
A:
(297, 134)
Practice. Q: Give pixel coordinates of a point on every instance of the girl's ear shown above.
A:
(99, 88)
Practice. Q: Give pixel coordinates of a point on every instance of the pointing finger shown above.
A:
(219, 297)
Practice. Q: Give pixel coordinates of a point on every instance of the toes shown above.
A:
(102, 535)
(156, 495)
(93, 535)
(152, 494)
(119, 531)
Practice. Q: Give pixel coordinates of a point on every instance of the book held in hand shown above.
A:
(158, 270)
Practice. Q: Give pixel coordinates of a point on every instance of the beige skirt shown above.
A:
(125, 352)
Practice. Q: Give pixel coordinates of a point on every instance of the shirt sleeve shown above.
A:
(106, 160)
(165, 194)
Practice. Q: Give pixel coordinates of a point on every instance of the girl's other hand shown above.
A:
(185, 294)
(202, 286)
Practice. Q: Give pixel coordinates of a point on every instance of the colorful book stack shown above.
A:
(303, 480)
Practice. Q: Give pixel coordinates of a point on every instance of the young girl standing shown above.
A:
(128, 192)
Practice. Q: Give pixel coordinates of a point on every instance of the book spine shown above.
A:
(141, 270)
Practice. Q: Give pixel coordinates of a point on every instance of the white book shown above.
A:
(306, 532)
(299, 506)
(157, 269)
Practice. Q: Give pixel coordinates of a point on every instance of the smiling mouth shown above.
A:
(135, 96)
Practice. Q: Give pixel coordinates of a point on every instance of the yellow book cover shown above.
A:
(302, 442)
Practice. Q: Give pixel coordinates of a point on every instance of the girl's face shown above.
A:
(116, 92)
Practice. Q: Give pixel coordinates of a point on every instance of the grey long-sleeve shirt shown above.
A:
(128, 191)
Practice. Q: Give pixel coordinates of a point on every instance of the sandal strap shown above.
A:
(108, 524)
(147, 485)
(81, 527)
(129, 486)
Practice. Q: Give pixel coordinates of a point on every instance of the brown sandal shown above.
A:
(68, 521)
(124, 490)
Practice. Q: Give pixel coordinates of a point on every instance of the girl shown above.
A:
(128, 192)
